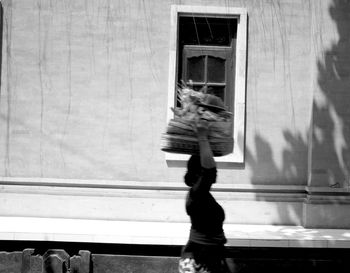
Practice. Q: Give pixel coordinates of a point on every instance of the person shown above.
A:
(205, 249)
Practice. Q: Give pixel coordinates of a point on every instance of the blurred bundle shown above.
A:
(180, 136)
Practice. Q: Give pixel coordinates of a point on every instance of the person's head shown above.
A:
(194, 169)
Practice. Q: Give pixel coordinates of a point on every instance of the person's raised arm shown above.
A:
(205, 152)
(208, 175)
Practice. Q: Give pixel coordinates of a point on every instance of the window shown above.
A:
(208, 47)
(207, 54)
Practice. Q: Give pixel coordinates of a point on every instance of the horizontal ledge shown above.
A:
(164, 233)
(146, 185)
(328, 200)
(314, 192)
(325, 190)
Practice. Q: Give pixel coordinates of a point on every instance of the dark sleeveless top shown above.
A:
(206, 215)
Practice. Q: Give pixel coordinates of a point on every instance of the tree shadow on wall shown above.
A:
(331, 119)
(330, 130)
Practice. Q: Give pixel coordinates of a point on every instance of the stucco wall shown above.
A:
(84, 88)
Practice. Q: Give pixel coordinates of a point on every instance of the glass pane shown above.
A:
(218, 91)
(207, 31)
(216, 70)
(195, 69)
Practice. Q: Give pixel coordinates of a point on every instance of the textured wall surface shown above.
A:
(84, 88)
(330, 161)
(84, 96)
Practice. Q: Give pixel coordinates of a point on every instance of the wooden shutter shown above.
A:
(211, 67)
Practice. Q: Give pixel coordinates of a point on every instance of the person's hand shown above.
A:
(201, 127)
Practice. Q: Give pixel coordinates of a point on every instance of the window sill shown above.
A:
(230, 160)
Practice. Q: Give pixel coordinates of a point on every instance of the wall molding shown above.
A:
(164, 201)
(152, 185)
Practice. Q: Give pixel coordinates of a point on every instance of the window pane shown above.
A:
(218, 91)
(207, 31)
(195, 69)
(216, 70)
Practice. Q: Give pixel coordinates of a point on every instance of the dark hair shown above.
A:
(194, 169)
(194, 164)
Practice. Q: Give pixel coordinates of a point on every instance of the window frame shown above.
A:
(221, 52)
(239, 96)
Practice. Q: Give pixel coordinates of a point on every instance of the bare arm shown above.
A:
(206, 159)
(206, 154)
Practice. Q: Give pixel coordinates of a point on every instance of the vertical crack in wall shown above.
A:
(45, 19)
(40, 64)
(281, 22)
(89, 14)
(68, 14)
(8, 34)
(109, 41)
(156, 80)
(133, 46)
(148, 24)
